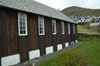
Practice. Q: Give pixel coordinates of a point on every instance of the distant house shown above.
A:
(96, 19)
(29, 29)
(81, 19)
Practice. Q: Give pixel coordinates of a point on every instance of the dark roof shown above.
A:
(35, 7)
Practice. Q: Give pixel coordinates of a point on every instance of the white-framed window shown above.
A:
(54, 30)
(69, 28)
(73, 28)
(62, 28)
(41, 25)
(22, 24)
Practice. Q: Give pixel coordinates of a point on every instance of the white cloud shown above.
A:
(96, 4)
(54, 3)
(67, 3)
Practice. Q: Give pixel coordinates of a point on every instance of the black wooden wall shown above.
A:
(11, 43)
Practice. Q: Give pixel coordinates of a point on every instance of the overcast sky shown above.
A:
(61, 4)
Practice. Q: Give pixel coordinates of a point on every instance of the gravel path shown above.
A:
(46, 57)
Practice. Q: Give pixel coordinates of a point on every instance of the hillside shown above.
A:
(86, 29)
(74, 10)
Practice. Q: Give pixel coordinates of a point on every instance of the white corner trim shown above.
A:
(49, 50)
(10, 60)
(59, 46)
(33, 54)
(66, 44)
(76, 41)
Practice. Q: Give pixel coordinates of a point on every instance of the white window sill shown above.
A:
(41, 34)
(23, 34)
(63, 33)
(54, 34)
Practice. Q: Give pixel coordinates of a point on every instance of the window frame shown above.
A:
(69, 29)
(41, 18)
(62, 28)
(19, 17)
(74, 29)
(55, 28)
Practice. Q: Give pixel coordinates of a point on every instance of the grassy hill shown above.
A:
(86, 29)
(70, 11)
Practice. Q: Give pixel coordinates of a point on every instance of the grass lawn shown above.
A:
(91, 48)
(86, 29)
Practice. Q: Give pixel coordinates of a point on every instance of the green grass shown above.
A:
(86, 29)
(91, 48)
(66, 58)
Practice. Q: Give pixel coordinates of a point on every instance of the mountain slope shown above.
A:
(74, 10)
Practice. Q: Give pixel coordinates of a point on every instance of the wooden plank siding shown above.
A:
(59, 32)
(71, 26)
(5, 45)
(33, 32)
(48, 32)
(42, 45)
(12, 33)
(54, 42)
(63, 40)
(66, 32)
(69, 40)
(1, 36)
(9, 33)
(76, 35)
(23, 48)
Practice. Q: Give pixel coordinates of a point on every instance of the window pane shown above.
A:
(24, 32)
(41, 31)
(23, 19)
(20, 18)
(21, 23)
(24, 27)
(21, 32)
(21, 27)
